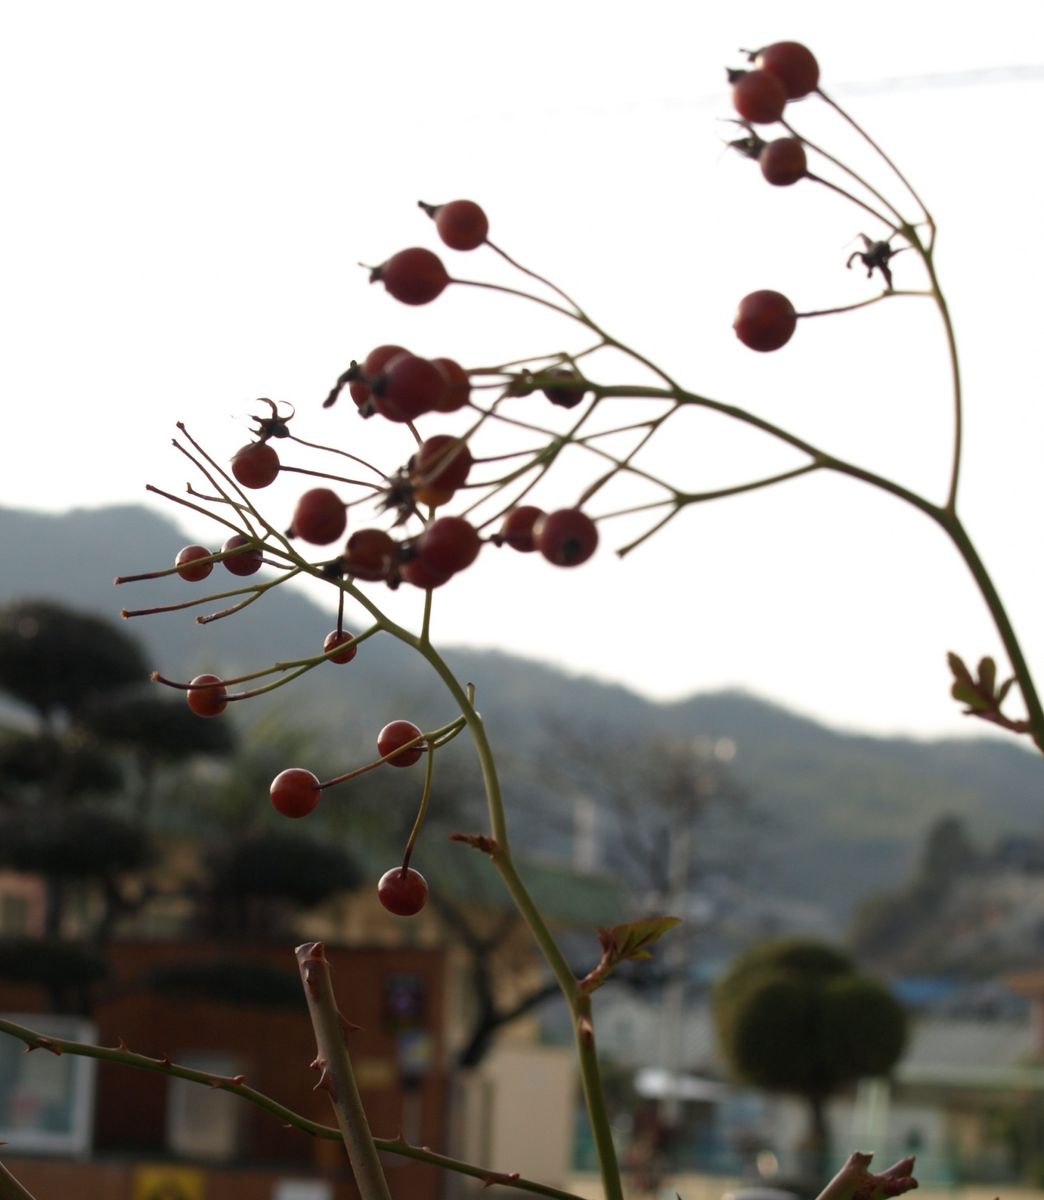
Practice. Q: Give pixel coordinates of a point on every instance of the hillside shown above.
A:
(839, 816)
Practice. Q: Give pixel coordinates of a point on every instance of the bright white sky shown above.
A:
(188, 189)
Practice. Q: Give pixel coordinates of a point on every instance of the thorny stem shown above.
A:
(337, 1077)
(236, 1085)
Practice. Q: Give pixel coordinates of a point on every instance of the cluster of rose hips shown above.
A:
(392, 384)
(295, 793)
(400, 387)
(782, 72)
(765, 320)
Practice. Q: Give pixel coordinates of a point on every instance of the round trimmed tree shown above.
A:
(797, 1016)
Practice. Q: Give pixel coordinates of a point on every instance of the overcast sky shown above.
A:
(189, 189)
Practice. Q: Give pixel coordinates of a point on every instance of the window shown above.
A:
(47, 1100)
(203, 1122)
(14, 915)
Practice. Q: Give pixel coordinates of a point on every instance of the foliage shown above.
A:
(55, 659)
(289, 866)
(158, 726)
(231, 980)
(80, 844)
(31, 762)
(51, 963)
(796, 1016)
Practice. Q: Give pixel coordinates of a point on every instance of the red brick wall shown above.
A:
(275, 1048)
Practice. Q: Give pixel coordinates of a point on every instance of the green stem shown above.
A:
(870, 142)
(952, 524)
(579, 1004)
(945, 517)
(594, 1097)
(927, 257)
(422, 809)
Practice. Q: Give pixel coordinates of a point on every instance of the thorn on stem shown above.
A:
(326, 1084)
(347, 1027)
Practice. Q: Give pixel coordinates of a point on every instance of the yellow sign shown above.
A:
(168, 1183)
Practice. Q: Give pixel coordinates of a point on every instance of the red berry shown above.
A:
(793, 64)
(207, 701)
(338, 637)
(569, 395)
(320, 517)
(765, 320)
(758, 97)
(567, 537)
(189, 568)
(403, 891)
(414, 276)
(458, 385)
(461, 224)
(449, 544)
(396, 734)
(517, 529)
(408, 387)
(369, 555)
(420, 574)
(247, 560)
(295, 792)
(255, 465)
(371, 367)
(783, 161)
(439, 467)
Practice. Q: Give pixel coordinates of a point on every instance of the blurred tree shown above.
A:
(56, 660)
(902, 930)
(157, 731)
(797, 1016)
(256, 884)
(64, 779)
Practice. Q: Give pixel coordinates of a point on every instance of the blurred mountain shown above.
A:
(838, 816)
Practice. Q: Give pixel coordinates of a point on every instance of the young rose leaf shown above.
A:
(960, 672)
(987, 676)
(628, 941)
(968, 693)
(477, 841)
(855, 1180)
